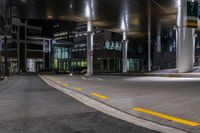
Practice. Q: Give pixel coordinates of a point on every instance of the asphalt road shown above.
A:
(28, 105)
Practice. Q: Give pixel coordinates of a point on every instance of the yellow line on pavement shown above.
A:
(167, 117)
(66, 85)
(99, 95)
(78, 89)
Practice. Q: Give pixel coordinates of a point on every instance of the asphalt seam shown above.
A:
(112, 111)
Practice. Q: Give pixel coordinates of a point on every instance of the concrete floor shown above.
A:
(28, 105)
(177, 97)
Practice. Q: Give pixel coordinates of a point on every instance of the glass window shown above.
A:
(107, 45)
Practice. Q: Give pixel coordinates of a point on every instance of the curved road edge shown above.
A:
(112, 111)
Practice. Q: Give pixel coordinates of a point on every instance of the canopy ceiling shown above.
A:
(117, 15)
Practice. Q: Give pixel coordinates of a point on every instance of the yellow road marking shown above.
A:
(66, 85)
(178, 120)
(99, 95)
(78, 89)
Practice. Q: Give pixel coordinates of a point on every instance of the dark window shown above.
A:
(22, 57)
(22, 33)
(13, 28)
(12, 45)
(14, 36)
(33, 32)
(34, 47)
(23, 20)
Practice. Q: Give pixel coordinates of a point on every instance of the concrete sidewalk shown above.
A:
(195, 73)
(176, 97)
(186, 75)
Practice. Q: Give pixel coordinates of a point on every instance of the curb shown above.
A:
(182, 75)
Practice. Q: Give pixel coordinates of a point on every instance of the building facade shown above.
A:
(28, 52)
(107, 51)
(5, 22)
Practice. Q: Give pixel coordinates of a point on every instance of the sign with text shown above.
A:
(192, 9)
(192, 14)
(192, 23)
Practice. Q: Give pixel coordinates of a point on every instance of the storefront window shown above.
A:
(60, 53)
(133, 64)
(107, 45)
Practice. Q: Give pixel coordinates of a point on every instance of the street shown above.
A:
(28, 105)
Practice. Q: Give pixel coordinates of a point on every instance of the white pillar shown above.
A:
(159, 37)
(149, 35)
(185, 40)
(89, 48)
(125, 52)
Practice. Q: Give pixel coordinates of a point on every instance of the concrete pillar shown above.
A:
(185, 40)
(159, 37)
(89, 48)
(125, 52)
(149, 35)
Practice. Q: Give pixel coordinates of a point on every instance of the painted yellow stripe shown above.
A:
(66, 85)
(178, 120)
(99, 95)
(78, 89)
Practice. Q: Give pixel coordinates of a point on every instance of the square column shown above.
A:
(125, 52)
(90, 43)
(185, 40)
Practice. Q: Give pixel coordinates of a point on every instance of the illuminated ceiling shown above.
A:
(117, 15)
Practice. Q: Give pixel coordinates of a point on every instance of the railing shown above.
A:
(165, 66)
(173, 65)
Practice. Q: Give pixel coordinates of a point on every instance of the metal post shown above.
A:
(50, 44)
(193, 47)
(125, 52)
(159, 37)
(149, 35)
(89, 48)
(44, 52)
(6, 55)
(108, 67)
(1, 43)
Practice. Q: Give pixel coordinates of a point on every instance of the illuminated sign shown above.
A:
(192, 9)
(192, 14)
